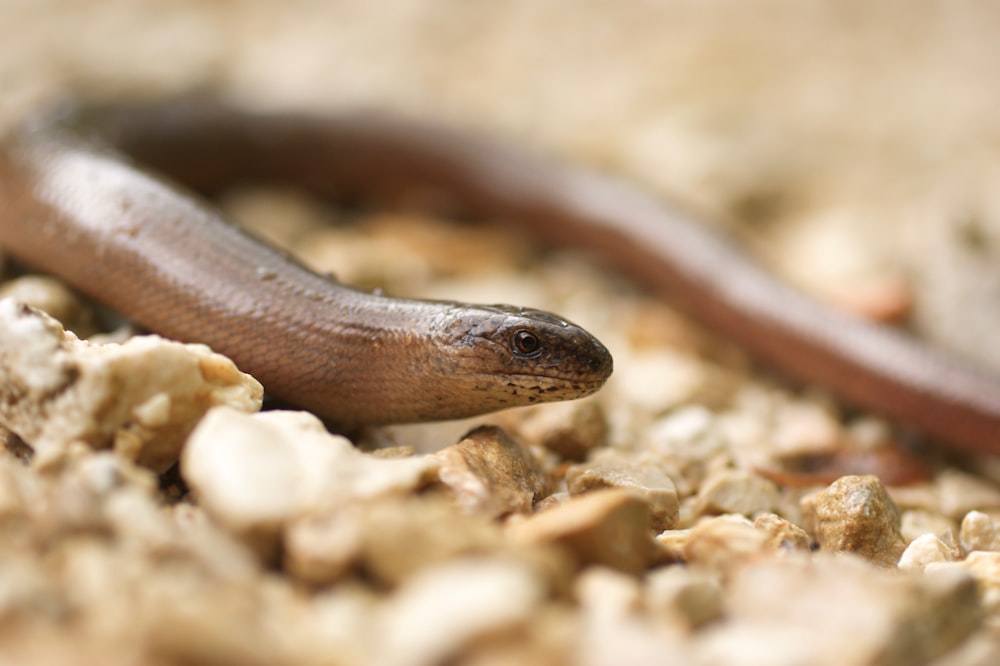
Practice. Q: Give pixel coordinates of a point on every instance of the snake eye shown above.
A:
(526, 343)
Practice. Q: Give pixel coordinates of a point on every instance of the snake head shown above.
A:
(519, 356)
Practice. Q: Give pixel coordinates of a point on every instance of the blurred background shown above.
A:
(854, 145)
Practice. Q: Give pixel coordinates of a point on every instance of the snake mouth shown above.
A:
(554, 387)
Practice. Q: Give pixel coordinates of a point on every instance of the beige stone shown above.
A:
(855, 514)
(491, 473)
(978, 532)
(571, 430)
(737, 491)
(142, 397)
(984, 566)
(684, 595)
(837, 610)
(452, 606)
(726, 542)
(254, 473)
(54, 298)
(916, 522)
(642, 477)
(783, 533)
(924, 550)
(609, 527)
(402, 536)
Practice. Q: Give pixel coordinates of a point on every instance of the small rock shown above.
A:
(725, 542)
(916, 522)
(142, 397)
(489, 472)
(254, 473)
(782, 533)
(609, 527)
(924, 550)
(448, 608)
(855, 514)
(319, 550)
(685, 596)
(643, 478)
(737, 491)
(984, 566)
(54, 298)
(571, 430)
(834, 610)
(402, 536)
(978, 532)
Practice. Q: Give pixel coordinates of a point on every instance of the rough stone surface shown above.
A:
(571, 430)
(640, 477)
(737, 491)
(490, 472)
(255, 473)
(609, 527)
(856, 515)
(141, 398)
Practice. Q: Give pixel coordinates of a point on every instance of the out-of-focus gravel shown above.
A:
(689, 513)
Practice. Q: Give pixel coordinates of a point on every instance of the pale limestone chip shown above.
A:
(404, 535)
(984, 566)
(737, 491)
(837, 610)
(491, 473)
(54, 298)
(613, 627)
(609, 527)
(608, 592)
(684, 442)
(978, 532)
(924, 550)
(685, 596)
(142, 397)
(643, 478)
(725, 542)
(319, 550)
(855, 514)
(916, 522)
(656, 381)
(449, 607)
(782, 532)
(254, 473)
(571, 429)
(953, 494)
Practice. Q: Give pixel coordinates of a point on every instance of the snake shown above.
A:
(112, 201)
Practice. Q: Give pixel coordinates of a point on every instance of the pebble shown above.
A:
(254, 473)
(607, 527)
(782, 533)
(491, 473)
(924, 550)
(916, 522)
(55, 299)
(141, 398)
(643, 478)
(685, 596)
(984, 567)
(570, 430)
(855, 514)
(474, 599)
(838, 610)
(724, 543)
(737, 491)
(978, 532)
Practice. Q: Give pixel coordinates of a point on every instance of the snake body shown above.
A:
(76, 207)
